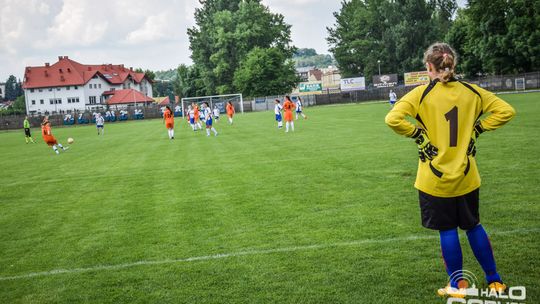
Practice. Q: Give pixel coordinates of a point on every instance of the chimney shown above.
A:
(66, 57)
(60, 58)
(28, 70)
(47, 64)
(131, 69)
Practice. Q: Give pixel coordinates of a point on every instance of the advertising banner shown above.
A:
(416, 78)
(306, 88)
(353, 84)
(385, 81)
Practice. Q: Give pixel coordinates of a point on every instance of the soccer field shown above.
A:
(327, 214)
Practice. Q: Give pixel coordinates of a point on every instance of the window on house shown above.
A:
(68, 88)
(59, 100)
(41, 101)
(51, 101)
(50, 89)
(33, 102)
(31, 91)
(100, 85)
(76, 87)
(92, 99)
(58, 89)
(40, 90)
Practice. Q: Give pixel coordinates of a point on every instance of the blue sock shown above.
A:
(452, 256)
(481, 247)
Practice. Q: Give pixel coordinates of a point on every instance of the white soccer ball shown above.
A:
(70, 140)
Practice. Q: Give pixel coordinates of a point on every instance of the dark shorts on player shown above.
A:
(99, 126)
(27, 132)
(444, 213)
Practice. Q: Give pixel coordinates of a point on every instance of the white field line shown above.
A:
(243, 253)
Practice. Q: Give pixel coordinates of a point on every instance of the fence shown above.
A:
(335, 96)
(16, 121)
(518, 82)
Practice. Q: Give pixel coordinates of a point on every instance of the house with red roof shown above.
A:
(67, 86)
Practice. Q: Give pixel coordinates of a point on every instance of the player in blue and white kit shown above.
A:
(393, 98)
(277, 110)
(100, 122)
(299, 108)
(191, 118)
(216, 113)
(207, 114)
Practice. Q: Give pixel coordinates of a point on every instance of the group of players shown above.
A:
(288, 107)
(448, 180)
(195, 117)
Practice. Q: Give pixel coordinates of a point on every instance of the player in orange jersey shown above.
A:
(168, 119)
(48, 137)
(230, 111)
(196, 116)
(288, 107)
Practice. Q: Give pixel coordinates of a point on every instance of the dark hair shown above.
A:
(168, 108)
(278, 101)
(443, 58)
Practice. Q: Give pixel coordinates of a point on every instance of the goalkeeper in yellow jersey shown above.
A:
(447, 112)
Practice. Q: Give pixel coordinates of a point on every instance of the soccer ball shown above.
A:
(70, 140)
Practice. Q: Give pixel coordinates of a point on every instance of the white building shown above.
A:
(68, 86)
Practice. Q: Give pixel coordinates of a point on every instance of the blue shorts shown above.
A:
(392, 102)
(99, 126)
(299, 111)
(192, 120)
(209, 122)
(278, 117)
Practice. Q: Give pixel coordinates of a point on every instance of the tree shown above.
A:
(12, 91)
(265, 72)
(19, 106)
(188, 82)
(497, 37)
(225, 33)
(310, 58)
(394, 33)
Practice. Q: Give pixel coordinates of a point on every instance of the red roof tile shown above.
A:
(128, 96)
(67, 72)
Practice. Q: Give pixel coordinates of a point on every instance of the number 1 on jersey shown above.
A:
(452, 118)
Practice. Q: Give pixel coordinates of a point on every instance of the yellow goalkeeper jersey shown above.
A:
(448, 113)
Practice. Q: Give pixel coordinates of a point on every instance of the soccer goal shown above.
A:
(217, 100)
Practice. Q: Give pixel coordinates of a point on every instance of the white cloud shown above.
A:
(139, 33)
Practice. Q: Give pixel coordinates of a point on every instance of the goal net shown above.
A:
(220, 101)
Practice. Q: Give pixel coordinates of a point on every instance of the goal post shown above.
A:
(218, 100)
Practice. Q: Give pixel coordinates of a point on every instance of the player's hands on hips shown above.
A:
(471, 149)
(425, 149)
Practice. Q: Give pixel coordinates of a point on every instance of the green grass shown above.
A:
(342, 182)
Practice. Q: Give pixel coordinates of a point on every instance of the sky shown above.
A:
(137, 33)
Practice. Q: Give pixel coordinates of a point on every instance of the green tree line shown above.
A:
(490, 36)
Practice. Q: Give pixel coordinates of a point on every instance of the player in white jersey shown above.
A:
(216, 113)
(393, 98)
(100, 124)
(277, 110)
(299, 108)
(191, 118)
(207, 114)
